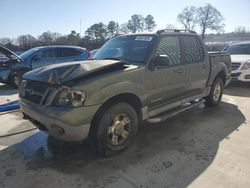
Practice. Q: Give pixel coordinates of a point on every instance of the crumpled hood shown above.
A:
(240, 58)
(58, 73)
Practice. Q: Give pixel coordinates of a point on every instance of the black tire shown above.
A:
(215, 95)
(115, 129)
(15, 80)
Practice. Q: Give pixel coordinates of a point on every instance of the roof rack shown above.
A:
(175, 30)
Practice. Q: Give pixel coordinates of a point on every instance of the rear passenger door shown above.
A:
(166, 85)
(68, 54)
(197, 66)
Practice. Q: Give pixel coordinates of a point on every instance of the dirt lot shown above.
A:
(204, 147)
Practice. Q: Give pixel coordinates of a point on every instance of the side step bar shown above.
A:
(170, 113)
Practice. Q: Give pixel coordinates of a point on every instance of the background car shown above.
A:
(240, 57)
(215, 47)
(93, 52)
(12, 66)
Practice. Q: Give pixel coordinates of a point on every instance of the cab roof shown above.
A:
(163, 31)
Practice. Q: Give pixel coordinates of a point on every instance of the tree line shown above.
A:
(95, 36)
(199, 19)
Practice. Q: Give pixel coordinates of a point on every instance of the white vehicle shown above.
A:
(240, 58)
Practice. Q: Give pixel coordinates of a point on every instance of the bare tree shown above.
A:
(26, 41)
(46, 38)
(240, 30)
(209, 18)
(188, 17)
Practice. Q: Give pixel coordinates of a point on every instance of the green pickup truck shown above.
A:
(131, 79)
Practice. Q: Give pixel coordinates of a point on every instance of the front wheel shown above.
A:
(116, 128)
(215, 95)
(15, 80)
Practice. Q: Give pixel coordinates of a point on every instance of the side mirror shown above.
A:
(160, 61)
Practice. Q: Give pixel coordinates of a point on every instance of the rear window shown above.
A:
(193, 50)
(67, 52)
(238, 49)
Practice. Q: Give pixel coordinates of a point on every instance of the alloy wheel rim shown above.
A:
(16, 80)
(217, 92)
(118, 131)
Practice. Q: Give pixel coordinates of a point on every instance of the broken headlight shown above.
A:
(68, 97)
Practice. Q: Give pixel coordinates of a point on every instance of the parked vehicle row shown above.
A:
(131, 79)
(12, 66)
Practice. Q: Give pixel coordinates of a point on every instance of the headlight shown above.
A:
(68, 97)
(246, 65)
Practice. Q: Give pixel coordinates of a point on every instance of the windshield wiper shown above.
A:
(113, 58)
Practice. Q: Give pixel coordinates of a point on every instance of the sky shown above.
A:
(18, 17)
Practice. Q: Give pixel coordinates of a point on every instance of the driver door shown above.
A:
(166, 84)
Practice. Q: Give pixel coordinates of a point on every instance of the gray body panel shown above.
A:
(158, 90)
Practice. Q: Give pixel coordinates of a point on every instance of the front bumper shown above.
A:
(66, 124)
(241, 75)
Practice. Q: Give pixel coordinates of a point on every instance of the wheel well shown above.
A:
(222, 75)
(129, 98)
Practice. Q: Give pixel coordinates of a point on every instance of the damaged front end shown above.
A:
(54, 85)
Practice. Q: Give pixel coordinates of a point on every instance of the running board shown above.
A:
(170, 113)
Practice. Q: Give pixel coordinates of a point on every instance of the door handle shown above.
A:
(178, 70)
(204, 66)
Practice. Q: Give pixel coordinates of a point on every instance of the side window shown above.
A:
(67, 52)
(47, 54)
(170, 46)
(193, 50)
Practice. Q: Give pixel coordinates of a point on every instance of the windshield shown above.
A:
(133, 48)
(238, 49)
(26, 54)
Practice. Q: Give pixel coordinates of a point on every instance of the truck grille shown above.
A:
(235, 66)
(34, 91)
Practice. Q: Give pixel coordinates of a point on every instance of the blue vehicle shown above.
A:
(12, 66)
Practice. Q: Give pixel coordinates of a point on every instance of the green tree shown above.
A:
(113, 28)
(124, 28)
(149, 23)
(73, 38)
(97, 32)
(136, 23)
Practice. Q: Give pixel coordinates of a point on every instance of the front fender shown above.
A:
(109, 91)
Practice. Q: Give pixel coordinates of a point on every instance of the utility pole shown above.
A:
(80, 27)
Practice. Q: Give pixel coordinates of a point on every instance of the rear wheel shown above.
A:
(116, 128)
(215, 95)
